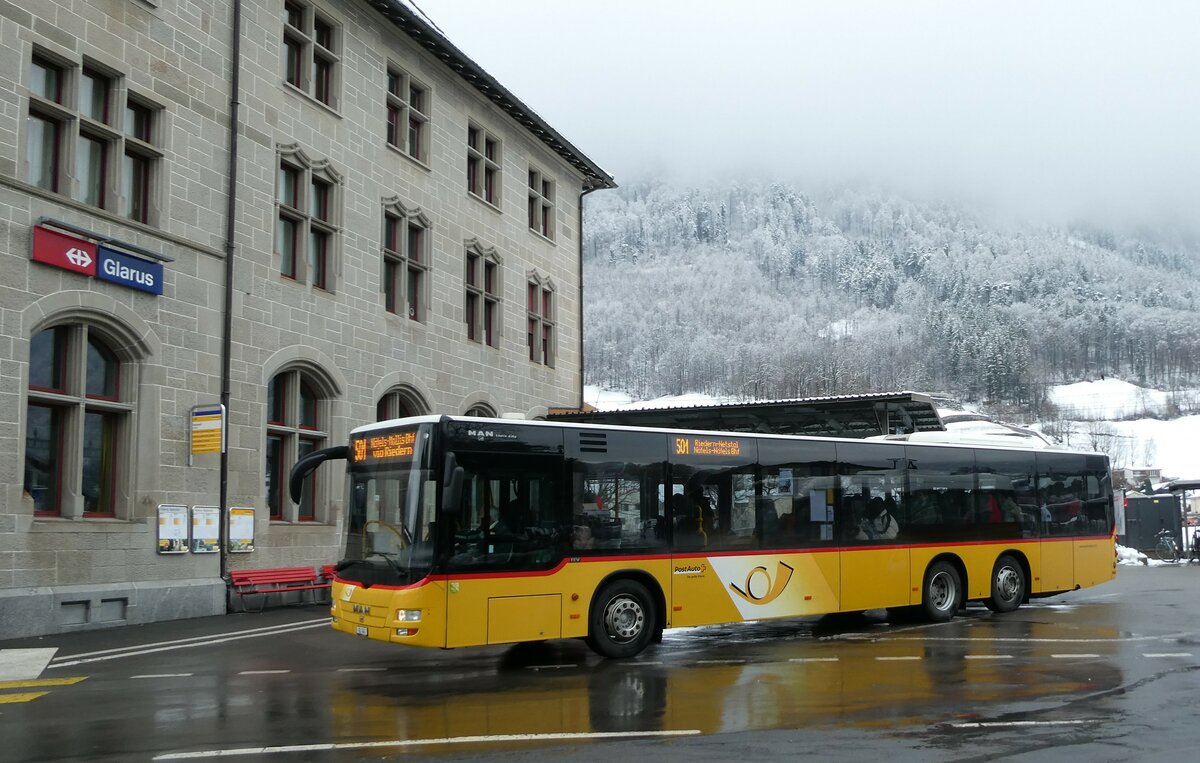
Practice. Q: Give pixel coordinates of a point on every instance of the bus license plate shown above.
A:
(360, 630)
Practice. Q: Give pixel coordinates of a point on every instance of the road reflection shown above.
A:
(720, 680)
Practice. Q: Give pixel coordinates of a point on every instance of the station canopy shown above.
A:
(836, 416)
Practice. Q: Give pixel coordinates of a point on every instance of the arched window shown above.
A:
(78, 424)
(482, 410)
(399, 403)
(297, 424)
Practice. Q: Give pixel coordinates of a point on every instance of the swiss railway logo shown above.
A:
(78, 257)
(63, 251)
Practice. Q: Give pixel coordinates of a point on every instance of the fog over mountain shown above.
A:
(770, 290)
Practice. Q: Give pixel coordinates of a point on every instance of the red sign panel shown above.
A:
(63, 251)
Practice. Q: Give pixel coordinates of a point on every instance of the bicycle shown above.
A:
(1194, 551)
(1166, 550)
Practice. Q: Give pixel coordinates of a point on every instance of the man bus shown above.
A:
(469, 531)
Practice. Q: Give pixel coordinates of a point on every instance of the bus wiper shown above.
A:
(390, 558)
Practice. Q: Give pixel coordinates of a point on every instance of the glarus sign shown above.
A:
(96, 260)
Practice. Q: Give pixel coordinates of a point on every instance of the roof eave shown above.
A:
(430, 38)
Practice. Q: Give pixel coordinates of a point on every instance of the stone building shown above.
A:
(315, 212)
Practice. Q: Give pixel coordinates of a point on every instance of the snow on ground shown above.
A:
(1132, 557)
(1107, 399)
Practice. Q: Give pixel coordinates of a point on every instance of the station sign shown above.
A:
(100, 261)
(63, 251)
(134, 272)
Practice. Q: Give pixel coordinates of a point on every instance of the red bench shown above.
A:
(281, 580)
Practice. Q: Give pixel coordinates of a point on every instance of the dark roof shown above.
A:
(838, 416)
(416, 26)
(1180, 485)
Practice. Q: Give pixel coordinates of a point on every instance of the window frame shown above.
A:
(541, 302)
(405, 274)
(485, 177)
(542, 193)
(483, 287)
(403, 116)
(70, 122)
(312, 210)
(73, 410)
(285, 388)
(311, 52)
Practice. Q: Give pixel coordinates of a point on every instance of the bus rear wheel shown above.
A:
(1008, 585)
(942, 592)
(623, 619)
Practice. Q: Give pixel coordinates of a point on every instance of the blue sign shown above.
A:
(133, 272)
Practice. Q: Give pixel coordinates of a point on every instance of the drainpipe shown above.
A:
(227, 335)
(582, 193)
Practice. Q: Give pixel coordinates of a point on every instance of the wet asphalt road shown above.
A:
(1110, 673)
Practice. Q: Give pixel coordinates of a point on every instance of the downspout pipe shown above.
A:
(230, 249)
(582, 193)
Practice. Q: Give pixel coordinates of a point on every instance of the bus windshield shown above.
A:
(388, 535)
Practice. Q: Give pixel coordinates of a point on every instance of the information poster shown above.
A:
(206, 529)
(241, 531)
(819, 506)
(172, 529)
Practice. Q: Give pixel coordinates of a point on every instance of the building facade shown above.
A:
(319, 213)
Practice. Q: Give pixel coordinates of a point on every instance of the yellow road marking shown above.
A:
(35, 683)
(8, 699)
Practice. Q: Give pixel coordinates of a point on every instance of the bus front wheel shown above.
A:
(1008, 585)
(942, 592)
(622, 622)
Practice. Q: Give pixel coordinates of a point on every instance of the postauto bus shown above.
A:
(470, 531)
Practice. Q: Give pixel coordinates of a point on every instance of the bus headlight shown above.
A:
(408, 615)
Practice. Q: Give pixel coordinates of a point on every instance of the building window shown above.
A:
(311, 51)
(78, 423)
(482, 295)
(297, 416)
(399, 403)
(481, 410)
(109, 132)
(541, 203)
(407, 114)
(307, 212)
(539, 307)
(483, 164)
(406, 261)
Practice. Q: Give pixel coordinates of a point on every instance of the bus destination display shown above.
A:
(707, 446)
(394, 446)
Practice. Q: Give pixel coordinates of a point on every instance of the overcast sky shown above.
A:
(1073, 108)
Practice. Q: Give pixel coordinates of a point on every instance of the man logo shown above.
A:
(78, 257)
(759, 588)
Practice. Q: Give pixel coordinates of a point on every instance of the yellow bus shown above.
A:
(469, 531)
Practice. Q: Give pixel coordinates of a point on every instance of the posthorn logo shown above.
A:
(78, 257)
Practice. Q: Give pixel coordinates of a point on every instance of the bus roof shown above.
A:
(947, 443)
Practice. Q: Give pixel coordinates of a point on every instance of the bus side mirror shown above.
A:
(452, 488)
(308, 464)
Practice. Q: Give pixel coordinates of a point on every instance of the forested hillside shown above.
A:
(760, 291)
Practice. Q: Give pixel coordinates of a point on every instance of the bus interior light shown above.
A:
(408, 615)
